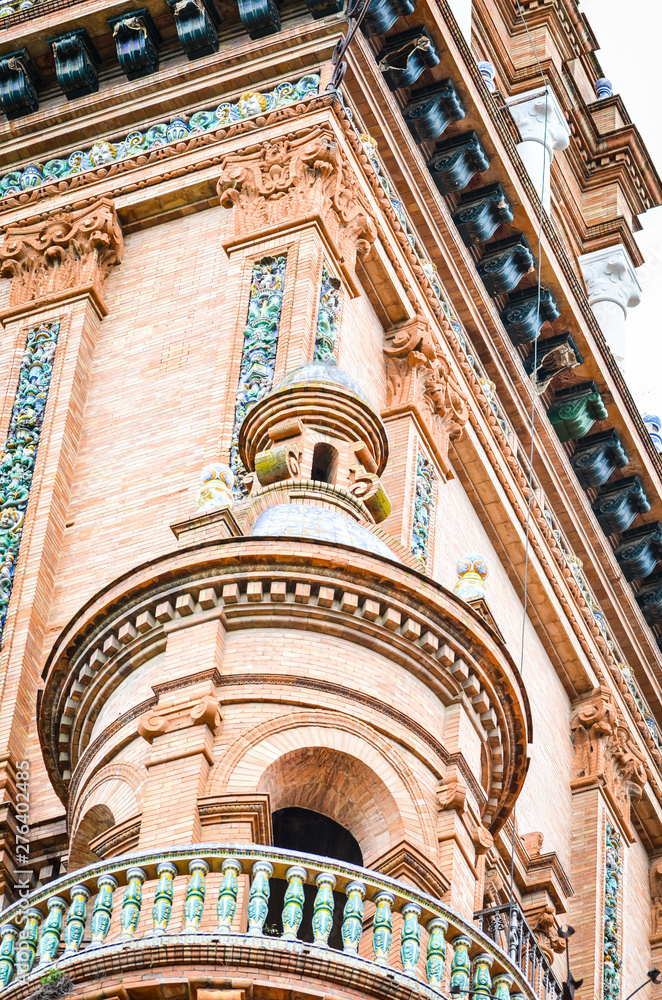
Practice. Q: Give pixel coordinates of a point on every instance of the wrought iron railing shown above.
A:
(507, 926)
(147, 901)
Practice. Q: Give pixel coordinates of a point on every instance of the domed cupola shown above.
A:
(316, 426)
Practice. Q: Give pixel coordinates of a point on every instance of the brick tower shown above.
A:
(330, 533)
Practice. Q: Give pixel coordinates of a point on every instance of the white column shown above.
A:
(612, 286)
(462, 11)
(543, 131)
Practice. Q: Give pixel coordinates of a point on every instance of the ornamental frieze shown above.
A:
(66, 252)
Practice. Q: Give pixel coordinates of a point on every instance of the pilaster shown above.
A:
(543, 131)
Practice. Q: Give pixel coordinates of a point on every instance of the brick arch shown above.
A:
(337, 766)
(120, 787)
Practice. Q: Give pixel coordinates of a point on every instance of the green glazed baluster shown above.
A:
(293, 907)
(165, 890)
(52, 930)
(502, 984)
(352, 921)
(258, 900)
(436, 957)
(195, 895)
(7, 954)
(76, 917)
(103, 910)
(482, 980)
(382, 927)
(27, 942)
(518, 996)
(410, 945)
(132, 903)
(227, 895)
(323, 911)
(461, 965)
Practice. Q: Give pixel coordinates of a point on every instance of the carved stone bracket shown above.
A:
(604, 751)
(420, 380)
(280, 184)
(64, 254)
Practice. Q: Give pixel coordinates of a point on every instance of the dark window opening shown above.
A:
(311, 833)
(325, 464)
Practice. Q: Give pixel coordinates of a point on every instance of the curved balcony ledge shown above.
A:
(107, 930)
(289, 583)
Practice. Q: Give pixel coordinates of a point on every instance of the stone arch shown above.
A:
(335, 765)
(119, 786)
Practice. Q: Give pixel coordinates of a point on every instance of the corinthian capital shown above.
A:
(278, 184)
(539, 118)
(610, 277)
(64, 253)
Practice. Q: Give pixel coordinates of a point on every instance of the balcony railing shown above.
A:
(506, 925)
(103, 911)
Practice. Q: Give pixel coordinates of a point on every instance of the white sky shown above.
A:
(628, 35)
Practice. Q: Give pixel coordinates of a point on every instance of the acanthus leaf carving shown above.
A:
(65, 252)
(419, 376)
(278, 183)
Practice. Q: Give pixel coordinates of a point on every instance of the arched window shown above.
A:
(325, 463)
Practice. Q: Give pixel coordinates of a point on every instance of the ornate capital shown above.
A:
(419, 378)
(64, 253)
(609, 276)
(604, 750)
(278, 184)
(539, 118)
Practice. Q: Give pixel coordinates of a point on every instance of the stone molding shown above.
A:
(281, 183)
(539, 118)
(605, 752)
(236, 807)
(609, 276)
(420, 380)
(65, 253)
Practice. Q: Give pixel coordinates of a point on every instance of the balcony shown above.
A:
(193, 905)
(506, 925)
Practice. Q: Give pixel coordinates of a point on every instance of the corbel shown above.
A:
(649, 599)
(430, 111)
(382, 15)
(553, 356)
(76, 64)
(136, 40)
(323, 8)
(259, 17)
(526, 313)
(574, 411)
(480, 213)
(597, 457)
(504, 264)
(618, 504)
(640, 550)
(456, 161)
(406, 56)
(196, 22)
(19, 80)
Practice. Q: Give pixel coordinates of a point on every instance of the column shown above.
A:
(613, 288)
(59, 270)
(543, 131)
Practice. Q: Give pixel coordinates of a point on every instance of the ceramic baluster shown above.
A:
(195, 895)
(293, 908)
(323, 910)
(76, 917)
(163, 896)
(382, 926)
(7, 954)
(352, 922)
(52, 930)
(481, 983)
(410, 944)
(132, 903)
(27, 942)
(103, 910)
(502, 983)
(436, 957)
(461, 965)
(258, 900)
(227, 895)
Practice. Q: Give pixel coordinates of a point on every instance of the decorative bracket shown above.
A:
(259, 17)
(19, 79)
(523, 319)
(575, 410)
(136, 39)
(480, 213)
(504, 264)
(405, 56)
(619, 503)
(382, 15)
(640, 551)
(431, 110)
(76, 62)
(554, 355)
(323, 8)
(196, 22)
(597, 457)
(456, 161)
(649, 599)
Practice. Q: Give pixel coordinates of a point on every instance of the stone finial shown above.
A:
(613, 288)
(654, 427)
(603, 88)
(215, 493)
(473, 570)
(488, 73)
